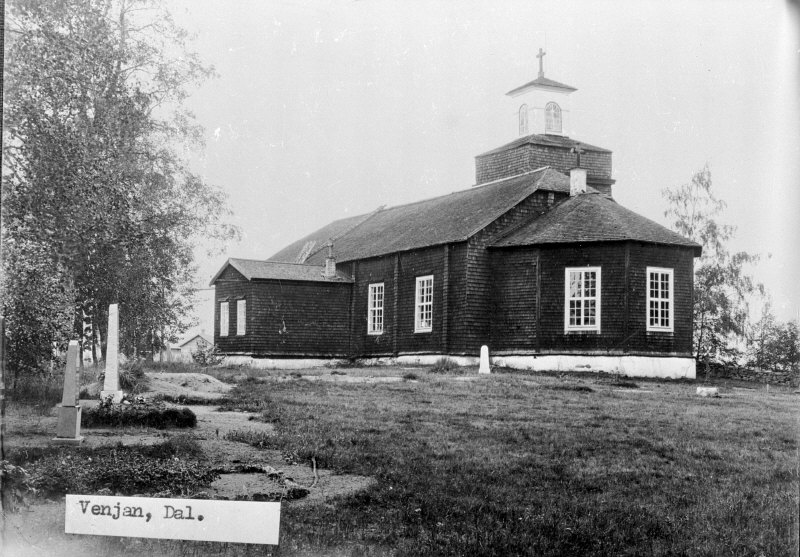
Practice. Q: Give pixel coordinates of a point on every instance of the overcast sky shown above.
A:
(324, 109)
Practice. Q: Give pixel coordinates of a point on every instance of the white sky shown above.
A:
(324, 109)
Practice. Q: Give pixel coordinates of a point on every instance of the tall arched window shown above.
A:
(552, 114)
(523, 119)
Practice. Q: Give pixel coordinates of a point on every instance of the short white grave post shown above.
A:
(69, 413)
(484, 360)
(111, 382)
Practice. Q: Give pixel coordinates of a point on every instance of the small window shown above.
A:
(523, 119)
(423, 310)
(582, 299)
(241, 316)
(659, 299)
(223, 319)
(552, 114)
(375, 309)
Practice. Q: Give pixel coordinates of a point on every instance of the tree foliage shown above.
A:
(722, 285)
(96, 190)
(772, 345)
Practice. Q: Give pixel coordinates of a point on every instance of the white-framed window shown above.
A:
(523, 119)
(375, 309)
(660, 300)
(552, 118)
(582, 299)
(423, 307)
(241, 316)
(223, 319)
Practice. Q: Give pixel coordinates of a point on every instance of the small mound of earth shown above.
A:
(198, 385)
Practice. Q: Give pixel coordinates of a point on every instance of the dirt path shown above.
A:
(255, 473)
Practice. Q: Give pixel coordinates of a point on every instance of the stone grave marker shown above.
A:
(69, 413)
(484, 367)
(111, 382)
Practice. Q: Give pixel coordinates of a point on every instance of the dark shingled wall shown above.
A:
(516, 309)
(526, 157)
(286, 317)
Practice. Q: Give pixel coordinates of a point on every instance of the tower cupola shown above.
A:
(541, 106)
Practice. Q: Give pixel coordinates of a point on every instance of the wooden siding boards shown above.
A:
(371, 271)
(480, 272)
(413, 264)
(525, 319)
(286, 318)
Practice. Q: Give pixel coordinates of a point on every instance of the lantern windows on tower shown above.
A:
(523, 119)
(552, 114)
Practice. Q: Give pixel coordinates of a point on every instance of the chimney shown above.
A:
(330, 263)
(577, 181)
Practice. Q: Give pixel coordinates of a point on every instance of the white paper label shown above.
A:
(178, 519)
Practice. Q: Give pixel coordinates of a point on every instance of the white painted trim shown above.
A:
(671, 300)
(224, 319)
(241, 317)
(371, 308)
(418, 305)
(583, 328)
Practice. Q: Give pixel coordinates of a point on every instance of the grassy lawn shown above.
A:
(539, 465)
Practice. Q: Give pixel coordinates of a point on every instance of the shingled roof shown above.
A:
(592, 217)
(547, 141)
(257, 269)
(449, 218)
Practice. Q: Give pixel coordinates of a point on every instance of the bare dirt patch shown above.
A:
(249, 472)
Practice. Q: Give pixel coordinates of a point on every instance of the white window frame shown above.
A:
(568, 328)
(224, 319)
(523, 120)
(670, 300)
(241, 317)
(553, 121)
(423, 304)
(375, 300)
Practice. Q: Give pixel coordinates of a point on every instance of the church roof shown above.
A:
(449, 218)
(542, 82)
(258, 269)
(547, 141)
(592, 217)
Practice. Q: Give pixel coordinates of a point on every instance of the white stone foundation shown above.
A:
(632, 366)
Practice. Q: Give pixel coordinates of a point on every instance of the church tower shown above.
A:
(540, 136)
(541, 106)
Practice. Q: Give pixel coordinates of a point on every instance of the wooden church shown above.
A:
(536, 261)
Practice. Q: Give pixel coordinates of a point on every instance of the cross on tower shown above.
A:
(540, 56)
(578, 150)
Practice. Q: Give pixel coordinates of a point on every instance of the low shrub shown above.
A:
(139, 413)
(446, 365)
(208, 356)
(625, 384)
(260, 439)
(410, 376)
(126, 470)
(41, 392)
(185, 400)
(16, 486)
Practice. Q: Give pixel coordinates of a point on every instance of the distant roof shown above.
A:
(257, 269)
(592, 217)
(546, 140)
(199, 335)
(543, 82)
(450, 218)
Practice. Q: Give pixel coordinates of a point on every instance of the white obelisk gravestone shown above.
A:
(484, 368)
(111, 383)
(69, 413)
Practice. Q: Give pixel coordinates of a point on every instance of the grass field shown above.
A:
(520, 464)
(516, 464)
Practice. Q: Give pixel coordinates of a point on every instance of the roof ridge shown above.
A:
(347, 230)
(270, 262)
(496, 216)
